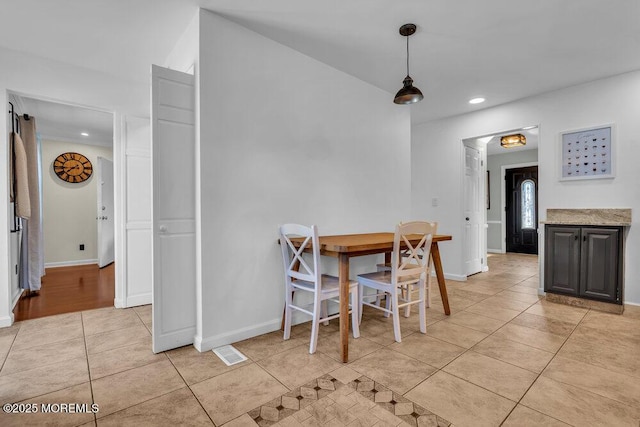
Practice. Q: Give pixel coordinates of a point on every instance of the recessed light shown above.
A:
(84, 134)
(476, 101)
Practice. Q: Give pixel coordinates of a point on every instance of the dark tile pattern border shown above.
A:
(288, 404)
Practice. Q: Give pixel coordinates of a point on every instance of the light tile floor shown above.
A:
(503, 357)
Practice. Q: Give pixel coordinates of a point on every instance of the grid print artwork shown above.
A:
(587, 154)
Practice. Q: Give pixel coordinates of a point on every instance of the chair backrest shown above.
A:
(412, 259)
(295, 239)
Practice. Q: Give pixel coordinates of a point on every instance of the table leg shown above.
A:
(437, 264)
(343, 276)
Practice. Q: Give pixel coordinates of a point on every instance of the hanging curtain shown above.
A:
(21, 185)
(32, 259)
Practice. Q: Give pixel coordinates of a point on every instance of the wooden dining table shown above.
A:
(347, 246)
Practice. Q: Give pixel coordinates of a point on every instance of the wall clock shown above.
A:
(72, 167)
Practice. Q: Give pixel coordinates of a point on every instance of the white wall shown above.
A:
(284, 138)
(613, 100)
(70, 210)
(43, 78)
(496, 186)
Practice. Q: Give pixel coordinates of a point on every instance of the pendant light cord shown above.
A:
(407, 55)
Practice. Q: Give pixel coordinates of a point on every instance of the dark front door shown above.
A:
(522, 210)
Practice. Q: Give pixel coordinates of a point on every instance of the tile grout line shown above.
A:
(492, 333)
(10, 348)
(573, 385)
(86, 355)
(188, 388)
(541, 372)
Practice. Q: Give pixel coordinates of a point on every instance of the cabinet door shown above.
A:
(562, 260)
(599, 270)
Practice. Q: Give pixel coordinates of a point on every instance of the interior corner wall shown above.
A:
(612, 100)
(183, 56)
(284, 138)
(48, 79)
(70, 210)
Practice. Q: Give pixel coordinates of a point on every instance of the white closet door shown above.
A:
(473, 207)
(173, 217)
(106, 228)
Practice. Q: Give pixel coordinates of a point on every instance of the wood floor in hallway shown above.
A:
(69, 289)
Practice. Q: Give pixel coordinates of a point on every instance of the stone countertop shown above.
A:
(612, 217)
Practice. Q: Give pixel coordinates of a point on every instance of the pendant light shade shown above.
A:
(408, 94)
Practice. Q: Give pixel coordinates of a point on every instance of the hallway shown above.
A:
(69, 289)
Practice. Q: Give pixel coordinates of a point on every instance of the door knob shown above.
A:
(163, 228)
(467, 218)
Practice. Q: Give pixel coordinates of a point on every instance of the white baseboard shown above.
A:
(455, 277)
(495, 251)
(6, 321)
(209, 343)
(70, 263)
(118, 303)
(16, 299)
(137, 300)
(632, 303)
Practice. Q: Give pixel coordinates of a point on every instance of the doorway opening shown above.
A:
(74, 147)
(495, 160)
(521, 210)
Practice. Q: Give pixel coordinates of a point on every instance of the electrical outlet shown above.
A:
(435, 202)
(82, 246)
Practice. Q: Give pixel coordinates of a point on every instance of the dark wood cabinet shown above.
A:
(584, 261)
(562, 260)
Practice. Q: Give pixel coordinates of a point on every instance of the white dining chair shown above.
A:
(305, 275)
(409, 269)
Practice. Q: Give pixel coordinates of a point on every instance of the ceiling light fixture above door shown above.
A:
(408, 94)
(510, 141)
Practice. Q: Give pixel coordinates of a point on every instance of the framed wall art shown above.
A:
(587, 153)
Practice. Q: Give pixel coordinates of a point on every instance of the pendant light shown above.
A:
(408, 94)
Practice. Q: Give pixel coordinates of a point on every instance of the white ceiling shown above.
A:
(62, 122)
(502, 50)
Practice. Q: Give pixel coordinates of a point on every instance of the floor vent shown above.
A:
(229, 355)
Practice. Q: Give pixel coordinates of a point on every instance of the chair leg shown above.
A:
(355, 312)
(284, 311)
(315, 323)
(428, 298)
(286, 326)
(407, 309)
(360, 297)
(323, 312)
(422, 309)
(388, 299)
(396, 315)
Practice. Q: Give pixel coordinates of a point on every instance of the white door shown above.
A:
(106, 227)
(473, 211)
(173, 208)
(137, 261)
